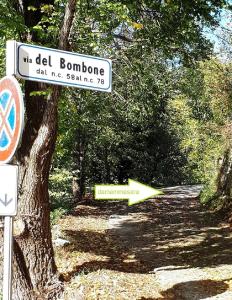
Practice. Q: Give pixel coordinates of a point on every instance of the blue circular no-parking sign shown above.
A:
(11, 117)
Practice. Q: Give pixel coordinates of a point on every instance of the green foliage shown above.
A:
(48, 27)
(163, 123)
(200, 144)
(40, 93)
(124, 135)
(57, 214)
(60, 182)
(134, 132)
(208, 193)
(11, 24)
(201, 117)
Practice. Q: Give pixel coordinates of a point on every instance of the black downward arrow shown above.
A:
(6, 202)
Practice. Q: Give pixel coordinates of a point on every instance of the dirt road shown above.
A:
(166, 248)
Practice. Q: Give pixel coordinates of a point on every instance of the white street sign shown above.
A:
(54, 66)
(8, 190)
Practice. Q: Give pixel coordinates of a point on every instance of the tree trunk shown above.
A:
(33, 249)
(106, 177)
(224, 181)
(78, 185)
(35, 274)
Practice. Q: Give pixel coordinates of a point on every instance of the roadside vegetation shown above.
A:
(167, 122)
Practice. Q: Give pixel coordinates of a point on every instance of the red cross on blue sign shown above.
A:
(7, 119)
(11, 117)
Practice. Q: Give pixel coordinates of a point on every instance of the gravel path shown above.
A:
(174, 239)
(166, 248)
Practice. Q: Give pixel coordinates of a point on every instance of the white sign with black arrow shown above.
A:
(8, 190)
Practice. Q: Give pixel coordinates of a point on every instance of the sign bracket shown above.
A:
(11, 47)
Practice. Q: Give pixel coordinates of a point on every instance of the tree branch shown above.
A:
(67, 24)
(123, 38)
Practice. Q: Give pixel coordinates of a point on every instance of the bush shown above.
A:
(60, 192)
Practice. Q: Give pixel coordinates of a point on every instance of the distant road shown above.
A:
(182, 191)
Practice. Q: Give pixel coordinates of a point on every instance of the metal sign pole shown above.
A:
(9, 173)
(13, 102)
(8, 243)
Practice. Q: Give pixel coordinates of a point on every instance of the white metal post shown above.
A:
(8, 245)
(8, 220)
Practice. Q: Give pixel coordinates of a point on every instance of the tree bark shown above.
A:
(33, 250)
(35, 273)
(78, 185)
(224, 181)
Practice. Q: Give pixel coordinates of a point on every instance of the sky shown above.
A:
(220, 36)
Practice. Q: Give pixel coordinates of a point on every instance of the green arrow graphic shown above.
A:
(135, 192)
